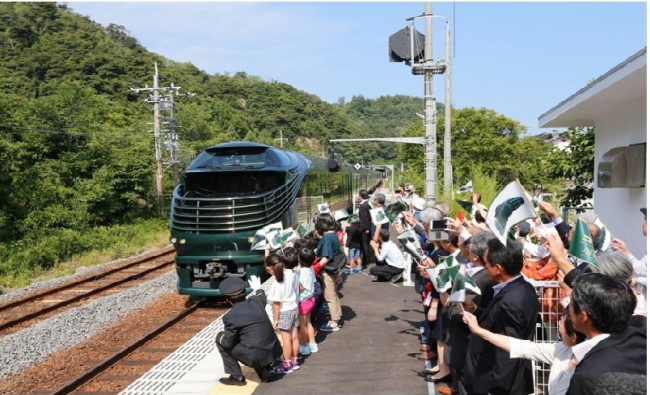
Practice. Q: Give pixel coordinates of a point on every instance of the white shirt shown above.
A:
(497, 288)
(306, 277)
(580, 350)
(555, 354)
(392, 255)
(285, 292)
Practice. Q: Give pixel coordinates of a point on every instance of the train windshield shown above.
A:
(231, 157)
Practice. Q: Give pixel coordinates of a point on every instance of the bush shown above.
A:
(25, 260)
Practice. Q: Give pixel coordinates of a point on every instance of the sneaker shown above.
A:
(305, 350)
(283, 369)
(295, 366)
(395, 278)
(358, 270)
(313, 347)
(330, 328)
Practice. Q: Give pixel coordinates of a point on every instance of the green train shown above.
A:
(232, 190)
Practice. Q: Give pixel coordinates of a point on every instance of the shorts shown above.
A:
(354, 253)
(307, 306)
(288, 319)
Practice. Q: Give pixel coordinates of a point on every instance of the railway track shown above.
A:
(17, 314)
(116, 371)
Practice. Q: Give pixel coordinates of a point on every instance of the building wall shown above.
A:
(619, 207)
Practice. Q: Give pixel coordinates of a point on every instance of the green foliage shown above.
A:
(575, 163)
(484, 139)
(26, 259)
(484, 182)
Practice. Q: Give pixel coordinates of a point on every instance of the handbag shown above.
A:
(337, 263)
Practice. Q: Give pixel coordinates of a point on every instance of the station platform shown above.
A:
(375, 352)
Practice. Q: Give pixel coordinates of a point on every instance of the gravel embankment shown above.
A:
(35, 343)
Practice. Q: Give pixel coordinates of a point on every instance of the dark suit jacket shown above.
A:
(364, 216)
(512, 312)
(247, 326)
(459, 332)
(623, 352)
(485, 283)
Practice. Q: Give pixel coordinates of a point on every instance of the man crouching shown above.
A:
(248, 336)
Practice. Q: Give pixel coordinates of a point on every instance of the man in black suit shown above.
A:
(601, 307)
(458, 334)
(248, 335)
(365, 222)
(512, 312)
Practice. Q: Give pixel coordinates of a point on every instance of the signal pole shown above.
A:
(448, 175)
(430, 160)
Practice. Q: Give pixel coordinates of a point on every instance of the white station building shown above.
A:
(615, 105)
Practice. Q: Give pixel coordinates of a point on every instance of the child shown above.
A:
(307, 302)
(284, 295)
(354, 243)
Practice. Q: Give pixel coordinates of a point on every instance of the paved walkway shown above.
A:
(374, 353)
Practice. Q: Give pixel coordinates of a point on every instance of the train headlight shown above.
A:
(173, 240)
(182, 241)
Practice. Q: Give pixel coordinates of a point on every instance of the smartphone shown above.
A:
(439, 224)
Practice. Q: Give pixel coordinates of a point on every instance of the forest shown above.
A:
(77, 146)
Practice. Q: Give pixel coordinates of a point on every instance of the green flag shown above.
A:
(467, 206)
(582, 247)
(302, 230)
(393, 210)
(462, 283)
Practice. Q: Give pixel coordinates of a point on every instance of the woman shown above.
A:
(558, 355)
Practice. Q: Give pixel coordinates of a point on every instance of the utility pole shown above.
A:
(448, 175)
(157, 140)
(281, 139)
(171, 142)
(155, 98)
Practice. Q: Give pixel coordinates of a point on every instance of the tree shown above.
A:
(575, 163)
(484, 138)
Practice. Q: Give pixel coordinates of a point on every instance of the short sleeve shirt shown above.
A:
(328, 246)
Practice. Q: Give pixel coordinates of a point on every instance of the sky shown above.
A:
(519, 59)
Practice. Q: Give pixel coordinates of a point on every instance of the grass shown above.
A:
(64, 253)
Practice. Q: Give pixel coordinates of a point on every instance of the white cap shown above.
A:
(418, 203)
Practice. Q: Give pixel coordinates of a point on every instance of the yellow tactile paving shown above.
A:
(252, 381)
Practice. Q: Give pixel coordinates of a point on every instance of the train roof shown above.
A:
(244, 154)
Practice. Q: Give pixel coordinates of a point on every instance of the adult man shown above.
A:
(248, 335)
(365, 222)
(601, 307)
(390, 261)
(511, 312)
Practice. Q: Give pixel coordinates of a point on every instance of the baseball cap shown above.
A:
(418, 203)
(644, 211)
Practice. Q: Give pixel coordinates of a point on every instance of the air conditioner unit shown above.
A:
(623, 167)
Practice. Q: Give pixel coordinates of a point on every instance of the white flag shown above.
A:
(466, 188)
(510, 207)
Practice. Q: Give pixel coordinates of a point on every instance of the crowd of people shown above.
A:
(484, 344)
